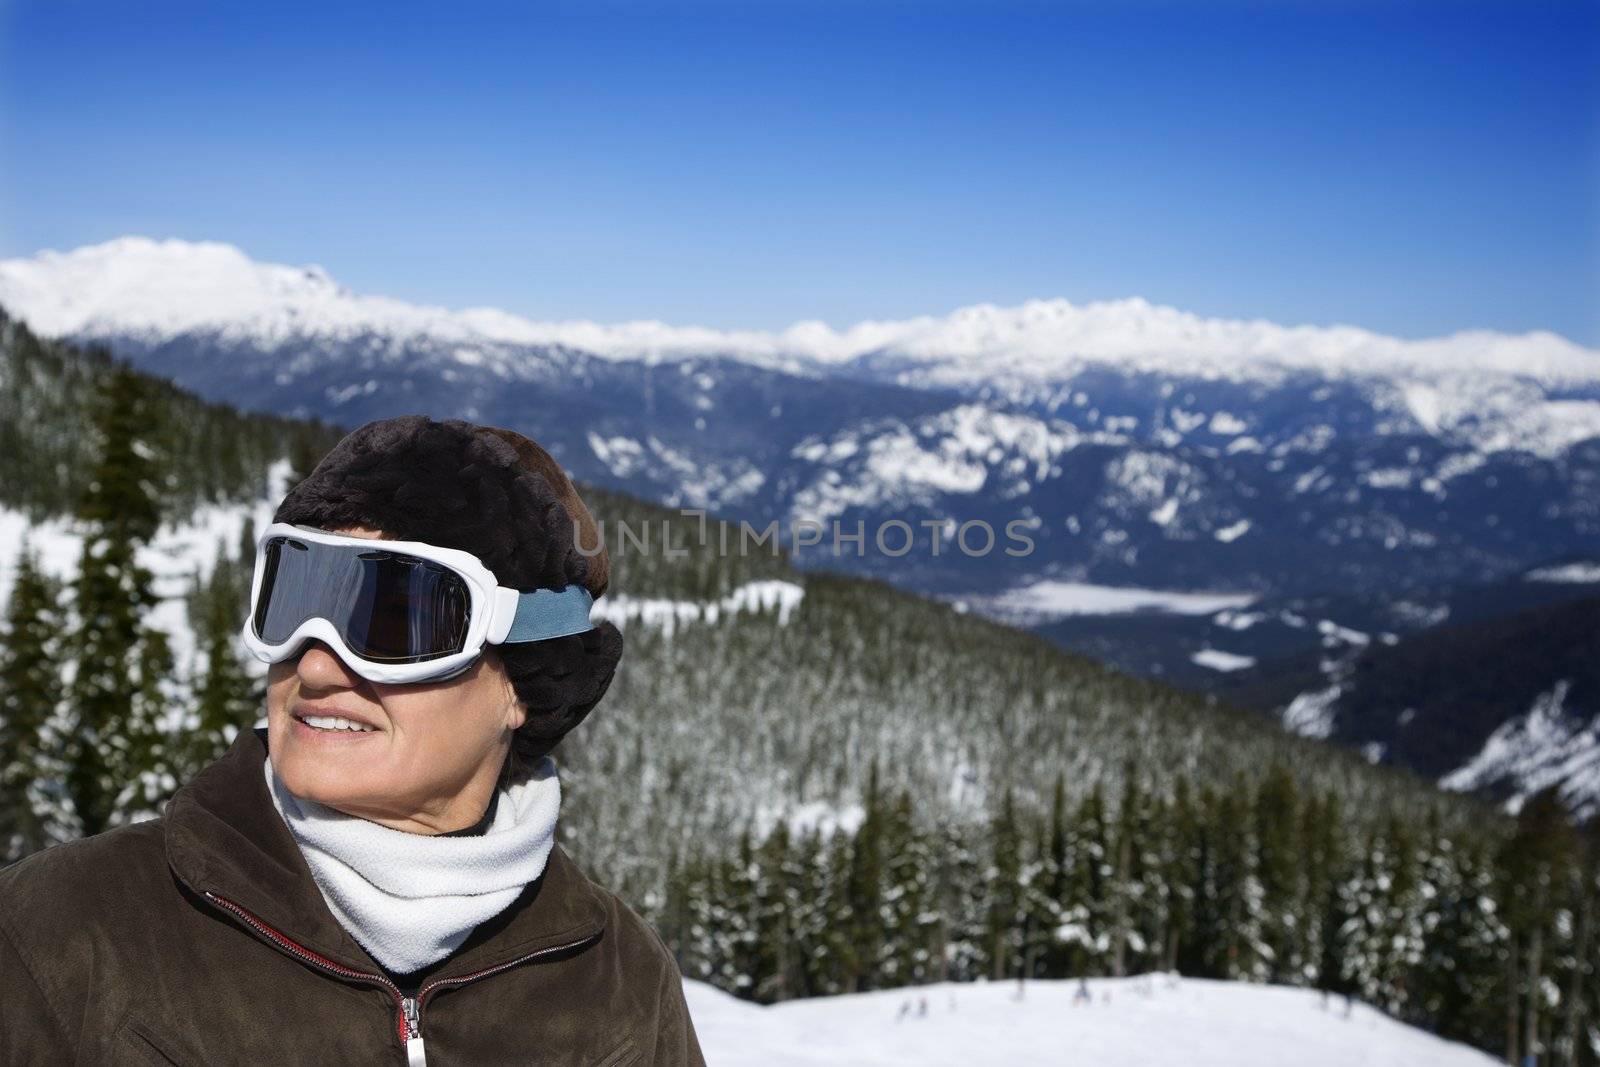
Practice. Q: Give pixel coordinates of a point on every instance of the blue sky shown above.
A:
(1412, 168)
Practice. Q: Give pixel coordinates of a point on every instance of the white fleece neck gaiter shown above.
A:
(412, 899)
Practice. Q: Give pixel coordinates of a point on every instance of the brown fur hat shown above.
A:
(498, 495)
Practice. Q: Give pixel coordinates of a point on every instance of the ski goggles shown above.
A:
(394, 611)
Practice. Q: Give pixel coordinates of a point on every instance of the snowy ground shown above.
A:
(1133, 1022)
(1051, 599)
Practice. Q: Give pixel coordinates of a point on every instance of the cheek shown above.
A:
(280, 678)
(464, 719)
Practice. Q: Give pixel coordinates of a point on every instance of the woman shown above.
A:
(373, 877)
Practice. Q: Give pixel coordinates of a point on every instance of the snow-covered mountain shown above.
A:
(136, 286)
(1118, 446)
(965, 723)
(1158, 1021)
(1488, 699)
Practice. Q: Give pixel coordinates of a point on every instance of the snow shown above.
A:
(1163, 515)
(1232, 532)
(175, 556)
(1496, 409)
(1218, 660)
(1546, 746)
(1389, 478)
(1059, 599)
(697, 480)
(1152, 481)
(1334, 635)
(1132, 1022)
(1312, 714)
(1457, 465)
(1238, 620)
(1575, 573)
(816, 815)
(160, 288)
(889, 463)
(668, 614)
(621, 455)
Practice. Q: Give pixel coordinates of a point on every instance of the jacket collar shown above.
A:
(224, 837)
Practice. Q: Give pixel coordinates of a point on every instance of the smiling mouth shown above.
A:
(335, 724)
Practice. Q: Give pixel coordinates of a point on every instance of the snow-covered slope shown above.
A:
(1131, 1022)
(1551, 745)
(1497, 692)
(180, 554)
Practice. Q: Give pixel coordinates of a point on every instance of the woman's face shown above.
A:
(430, 761)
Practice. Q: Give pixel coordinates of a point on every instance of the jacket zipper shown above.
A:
(409, 1023)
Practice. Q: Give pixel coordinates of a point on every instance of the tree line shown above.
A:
(98, 726)
(1487, 938)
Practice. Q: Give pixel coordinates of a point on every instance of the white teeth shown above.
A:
(334, 722)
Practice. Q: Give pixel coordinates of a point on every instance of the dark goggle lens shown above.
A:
(387, 606)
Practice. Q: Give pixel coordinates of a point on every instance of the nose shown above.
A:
(319, 667)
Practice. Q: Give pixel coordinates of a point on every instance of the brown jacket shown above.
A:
(200, 938)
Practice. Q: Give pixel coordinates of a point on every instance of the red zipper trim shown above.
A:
(298, 950)
(463, 979)
(293, 947)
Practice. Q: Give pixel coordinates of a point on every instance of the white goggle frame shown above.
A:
(492, 610)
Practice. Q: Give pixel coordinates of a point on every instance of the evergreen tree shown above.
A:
(1578, 1040)
(1124, 883)
(1459, 985)
(227, 698)
(864, 890)
(1003, 881)
(1533, 864)
(122, 664)
(774, 961)
(1091, 935)
(1232, 933)
(808, 920)
(30, 684)
(1144, 826)
(963, 904)
(837, 959)
(1279, 867)
(305, 452)
(910, 923)
(1057, 916)
(1181, 874)
(1334, 899)
(740, 918)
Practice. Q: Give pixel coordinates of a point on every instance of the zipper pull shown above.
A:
(415, 1055)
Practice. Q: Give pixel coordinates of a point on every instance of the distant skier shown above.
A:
(922, 1006)
(1082, 995)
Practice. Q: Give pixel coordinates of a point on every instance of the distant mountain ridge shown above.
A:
(134, 285)
(1330, 484)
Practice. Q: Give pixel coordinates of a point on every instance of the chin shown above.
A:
(331, 778)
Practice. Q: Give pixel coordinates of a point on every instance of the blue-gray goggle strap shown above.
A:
(546, 613)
